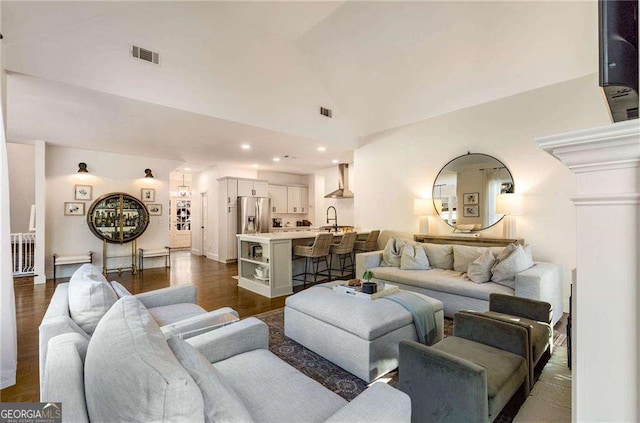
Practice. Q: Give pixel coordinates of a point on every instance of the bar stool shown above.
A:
(344, 250)
(316, 252)
(367, 245)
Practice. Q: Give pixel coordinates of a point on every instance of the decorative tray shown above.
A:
(356, 291)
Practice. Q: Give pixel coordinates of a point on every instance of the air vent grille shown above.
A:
(146, 55)
(326, 112)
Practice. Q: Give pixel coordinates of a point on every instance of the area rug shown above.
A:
(325, 372)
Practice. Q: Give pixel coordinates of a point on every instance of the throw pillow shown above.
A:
(392, 253)
(463, 255)
(90, 297)
(121, 291)
(414, 258)
(505, 271)
(479, 270)
(439, 255)
(221, 403)
(506, 252)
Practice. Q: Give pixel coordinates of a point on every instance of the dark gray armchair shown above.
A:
(467, 377)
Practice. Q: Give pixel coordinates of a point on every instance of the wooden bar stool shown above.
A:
(315, 253)
(344, 251)
(370, 244)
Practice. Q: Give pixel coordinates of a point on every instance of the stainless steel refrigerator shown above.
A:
(254, 214)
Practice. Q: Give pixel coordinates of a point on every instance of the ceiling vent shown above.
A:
(326, 112)
(146, 55)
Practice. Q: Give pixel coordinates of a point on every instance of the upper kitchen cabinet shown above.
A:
(298, 200)
(253, 188)
(278, 194)
(304, 200)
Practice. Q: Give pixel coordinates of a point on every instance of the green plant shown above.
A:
(367, 275)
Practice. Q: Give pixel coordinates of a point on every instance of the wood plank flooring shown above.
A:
(216, 288)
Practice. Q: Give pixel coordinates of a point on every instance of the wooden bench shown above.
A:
(160, 252)
(64, 260)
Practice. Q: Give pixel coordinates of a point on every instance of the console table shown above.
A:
(467, 240)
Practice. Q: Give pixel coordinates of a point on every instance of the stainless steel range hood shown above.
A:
(343, 183)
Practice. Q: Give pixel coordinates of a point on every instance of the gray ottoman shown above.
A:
(358, 335)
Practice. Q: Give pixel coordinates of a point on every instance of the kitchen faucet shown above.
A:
(334, 218)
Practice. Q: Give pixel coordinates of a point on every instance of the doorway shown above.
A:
(180, 211)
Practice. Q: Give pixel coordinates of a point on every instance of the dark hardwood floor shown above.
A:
(216, 288)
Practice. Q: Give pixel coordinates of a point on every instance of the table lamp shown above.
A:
(423, 207)
(509, 205)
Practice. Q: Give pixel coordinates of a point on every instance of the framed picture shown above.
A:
(148, 195)
(155, 209)
(471, 211)
(83, 192)
(74, 209)
(471, 198)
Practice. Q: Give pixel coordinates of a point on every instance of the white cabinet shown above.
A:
(298, 200)
(252, 189)
(278, 195)
(231, 191)
(232, 229)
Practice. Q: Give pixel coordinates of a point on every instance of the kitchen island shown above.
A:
(274, 252)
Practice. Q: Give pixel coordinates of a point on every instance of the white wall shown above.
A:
(108, 172)
(22, 184)
(394, 167)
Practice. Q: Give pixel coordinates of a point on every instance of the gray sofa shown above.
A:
(128, 371)
(174, 308)
(542, 282)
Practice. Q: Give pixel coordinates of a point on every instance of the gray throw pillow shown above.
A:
(131, 374)
(221, 403)
(121, 291)
(90, 297)
(413, 257)
(463, 255)
(479, 270)
(505, 271)
(392, 253)
(440, 255)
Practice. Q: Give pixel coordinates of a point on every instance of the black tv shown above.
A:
(619, 57)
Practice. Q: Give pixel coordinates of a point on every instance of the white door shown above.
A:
(180, 230)
(260, 189)
(293, 199)
(232, 229)
(304, 200)
(278, 194)
(245, 189)
(204, 222)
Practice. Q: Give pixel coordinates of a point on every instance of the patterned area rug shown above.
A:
(325, 372)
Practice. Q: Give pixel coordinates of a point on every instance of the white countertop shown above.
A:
(266, 237)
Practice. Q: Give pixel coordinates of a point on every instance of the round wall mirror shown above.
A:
(465, 190)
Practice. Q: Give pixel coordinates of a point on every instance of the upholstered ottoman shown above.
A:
(358, 335)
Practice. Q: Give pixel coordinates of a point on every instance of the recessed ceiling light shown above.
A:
(255, 165)
(322, 149)
(187, 169)
(335, 161)
(245, 146)
(276, 159)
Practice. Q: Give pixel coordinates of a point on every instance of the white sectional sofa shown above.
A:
(541, 282)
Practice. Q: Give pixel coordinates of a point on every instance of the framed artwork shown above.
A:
(74, 209)
(155, 209)
(471, 198)
(471, 211)
(83, 192)
(148, 195)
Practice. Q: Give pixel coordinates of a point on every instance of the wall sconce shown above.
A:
(82, 167)
(147, 173)
(423, 207)
(509, 205)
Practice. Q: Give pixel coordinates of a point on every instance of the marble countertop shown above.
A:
(266, 237)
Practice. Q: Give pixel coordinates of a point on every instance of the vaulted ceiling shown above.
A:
(259, 71)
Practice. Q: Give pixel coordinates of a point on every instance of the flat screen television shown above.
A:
(619, 57)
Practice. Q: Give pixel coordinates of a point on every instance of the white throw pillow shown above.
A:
(414, 258)
(392, 253)
(121, 291)
(463, 255)
(440, 255)
(505, 271)
(221, 403)
(479, 270)
(90, 297)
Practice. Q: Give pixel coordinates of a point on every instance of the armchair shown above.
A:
(469, 376)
